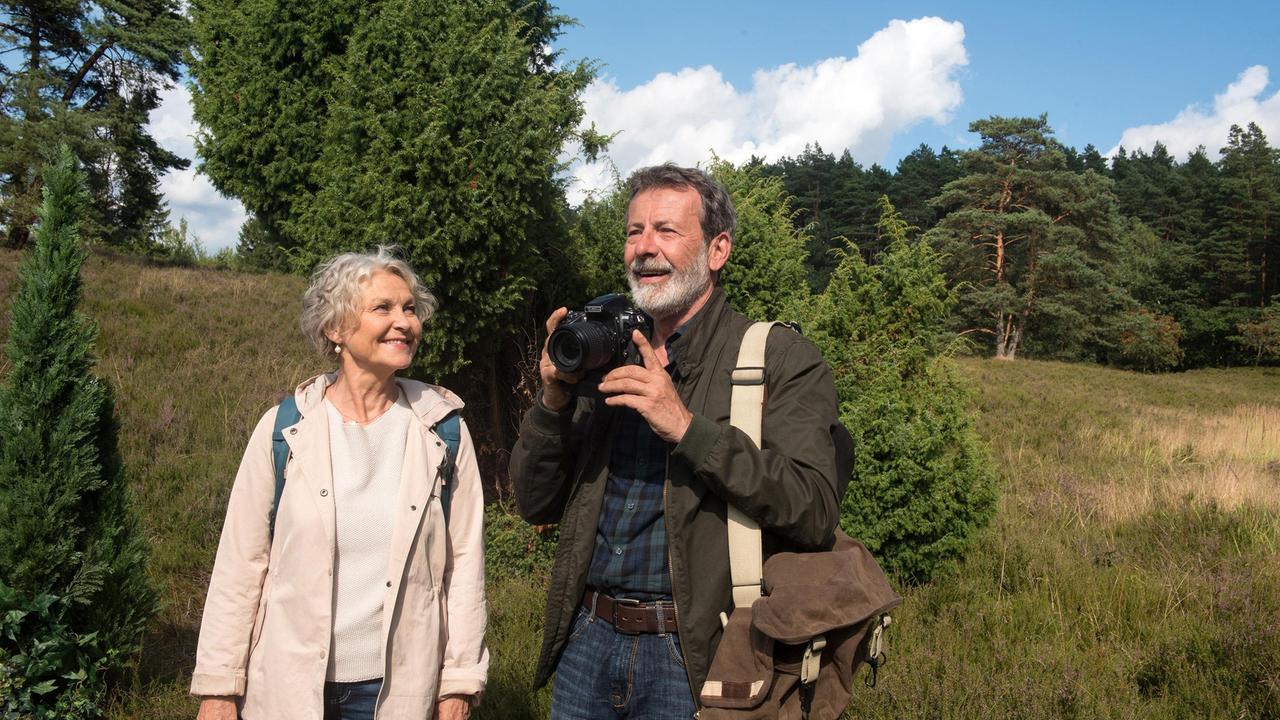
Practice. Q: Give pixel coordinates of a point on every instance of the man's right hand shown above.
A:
(217, 708)
(557, 390)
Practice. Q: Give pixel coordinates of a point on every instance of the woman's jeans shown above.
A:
(607, 674)
(351, 700)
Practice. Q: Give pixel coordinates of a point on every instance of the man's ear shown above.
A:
(718, 251)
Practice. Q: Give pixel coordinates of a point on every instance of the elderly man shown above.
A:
(638, 479)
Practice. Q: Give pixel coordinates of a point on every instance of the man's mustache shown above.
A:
(640, 265)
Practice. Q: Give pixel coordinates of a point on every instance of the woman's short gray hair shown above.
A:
(330, 304)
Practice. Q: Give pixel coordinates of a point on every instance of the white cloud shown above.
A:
(902, 75)
(211, 217)
(1240, 104)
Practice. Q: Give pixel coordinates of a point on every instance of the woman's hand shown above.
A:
(453, 707)
(218, 708)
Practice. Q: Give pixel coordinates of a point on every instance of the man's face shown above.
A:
(668, 267)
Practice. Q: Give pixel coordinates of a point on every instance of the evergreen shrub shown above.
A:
(922, 483)
(74, 595)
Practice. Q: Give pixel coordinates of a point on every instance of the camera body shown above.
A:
(597, 339)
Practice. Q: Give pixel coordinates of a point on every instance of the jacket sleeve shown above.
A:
(235, 588)
(791, 486)
(542, 460)
(466, 659)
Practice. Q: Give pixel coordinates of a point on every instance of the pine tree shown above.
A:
(1249, 216)
(1031, 239)
(87, 74)
(74, 596)
(920, 177)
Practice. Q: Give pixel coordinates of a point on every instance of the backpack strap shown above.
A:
(449, 429)
(286, 414)
(746, 412)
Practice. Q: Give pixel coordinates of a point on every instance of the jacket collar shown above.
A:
(428, 403)
(703, 329)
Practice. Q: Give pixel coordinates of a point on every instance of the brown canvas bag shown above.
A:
(803, 622)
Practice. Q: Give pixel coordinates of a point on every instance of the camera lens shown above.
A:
(581, 346)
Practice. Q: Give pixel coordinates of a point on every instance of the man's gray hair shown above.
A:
(717, 207)
(331, 304)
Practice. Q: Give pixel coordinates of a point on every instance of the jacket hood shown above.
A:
(429, 403)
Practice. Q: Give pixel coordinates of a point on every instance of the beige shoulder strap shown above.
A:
(746, 412)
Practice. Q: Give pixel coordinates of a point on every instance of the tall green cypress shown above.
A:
(74, 596)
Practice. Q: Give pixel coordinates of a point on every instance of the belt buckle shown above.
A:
(624, 602)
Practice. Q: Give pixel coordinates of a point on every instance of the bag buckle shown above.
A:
(749, 375)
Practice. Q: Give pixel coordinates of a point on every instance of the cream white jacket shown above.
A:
(268, 616)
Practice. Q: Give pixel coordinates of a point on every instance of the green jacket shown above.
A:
(792, 487)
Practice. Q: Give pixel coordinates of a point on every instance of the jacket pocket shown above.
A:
(260, 620)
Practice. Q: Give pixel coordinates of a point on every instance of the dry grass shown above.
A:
(1228, 459)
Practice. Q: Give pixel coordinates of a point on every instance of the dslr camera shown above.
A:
(597, 339)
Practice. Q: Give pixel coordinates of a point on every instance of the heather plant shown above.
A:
(74, 595)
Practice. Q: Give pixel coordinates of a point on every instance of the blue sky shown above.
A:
(679, 80)
(1097, 68)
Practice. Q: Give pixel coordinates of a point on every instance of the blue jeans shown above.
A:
(351, 700)
(607, 674)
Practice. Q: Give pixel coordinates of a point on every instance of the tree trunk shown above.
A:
(1013, 345)
(1004, 326)
(497, 407)
(999, 257)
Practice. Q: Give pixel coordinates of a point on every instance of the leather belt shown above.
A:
(630, 617)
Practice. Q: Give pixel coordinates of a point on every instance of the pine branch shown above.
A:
(88, 64)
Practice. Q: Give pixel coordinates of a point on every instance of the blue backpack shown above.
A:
(448, 429)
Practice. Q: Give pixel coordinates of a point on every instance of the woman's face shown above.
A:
(387, 329)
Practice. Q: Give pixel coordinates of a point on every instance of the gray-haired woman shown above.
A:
(367, 595)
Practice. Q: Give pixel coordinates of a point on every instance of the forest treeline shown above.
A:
(1138, 260)
(444, 127)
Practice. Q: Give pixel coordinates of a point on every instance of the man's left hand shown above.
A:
(648, 390)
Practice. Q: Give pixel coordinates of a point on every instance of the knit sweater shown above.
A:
(367, 462)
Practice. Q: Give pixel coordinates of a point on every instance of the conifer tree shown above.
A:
(436, 126)
(922, 483)
(1031, 239)
(765, 278)
(74, 596)
(88, 73)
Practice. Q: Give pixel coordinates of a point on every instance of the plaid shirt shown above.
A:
(631, 558)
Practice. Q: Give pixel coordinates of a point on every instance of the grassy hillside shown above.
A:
(1131, 570)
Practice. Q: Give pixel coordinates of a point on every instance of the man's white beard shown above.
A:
(677, 293)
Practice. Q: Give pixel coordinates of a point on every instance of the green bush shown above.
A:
(74, 595)
(922, 482)
(513, 548)
(1149, 341)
